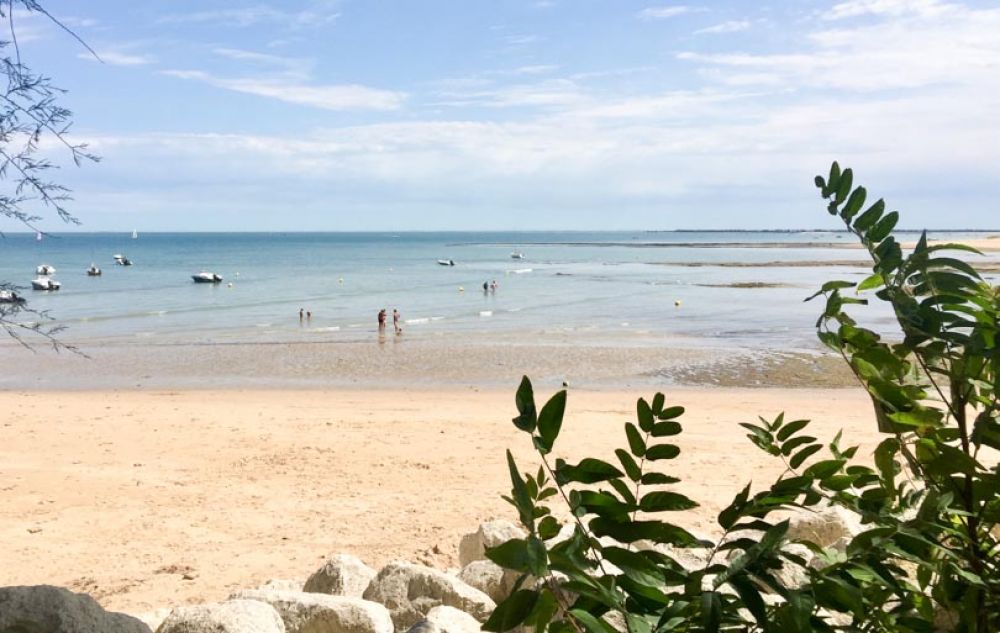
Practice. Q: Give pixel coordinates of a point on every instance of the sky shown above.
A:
(343, 115)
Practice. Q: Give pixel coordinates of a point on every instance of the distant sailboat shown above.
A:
(135, 234)
(38, 236)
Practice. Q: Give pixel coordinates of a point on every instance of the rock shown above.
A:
(446, 620)
(304, 612)
(410, 591)
(153, 619)
(824, 526)
(44, 609)
(791, 575)
(341, 575)
(233, 616)
(282, 584)
(490, 534)
(490, 578)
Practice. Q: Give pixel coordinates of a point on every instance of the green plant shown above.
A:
(929, 507)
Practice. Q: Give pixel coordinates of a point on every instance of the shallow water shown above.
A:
(618, 288)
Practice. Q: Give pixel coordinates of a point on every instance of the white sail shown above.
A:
(135, 234)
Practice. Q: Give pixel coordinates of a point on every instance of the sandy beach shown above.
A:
(147, 499)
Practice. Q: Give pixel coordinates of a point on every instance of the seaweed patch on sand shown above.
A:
(784, 369)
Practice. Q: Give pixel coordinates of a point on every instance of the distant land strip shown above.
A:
(992, 267)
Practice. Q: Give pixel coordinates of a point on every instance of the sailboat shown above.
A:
(38, 236)
(135, 234)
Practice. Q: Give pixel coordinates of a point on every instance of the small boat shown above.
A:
(135, 234)
(446, 262)
(45, 269)
(206, 278)
(44, 283)
(38, 236)
(121, 260)
(517, 255)
(93, 271)
(9, 296)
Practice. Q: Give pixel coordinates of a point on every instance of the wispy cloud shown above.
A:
(327, 97)
(322, 14)
(118, 58)
(732, 26)
(663, 13)
(894, 8)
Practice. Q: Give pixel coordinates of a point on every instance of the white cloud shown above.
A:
(323, 14)
(893, 8)
(663, 13)
(732, 26)
(328, 97)
(118, 58)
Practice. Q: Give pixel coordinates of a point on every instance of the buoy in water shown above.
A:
(677, 303)
(340, 281)
(461, 289)
(230, 284)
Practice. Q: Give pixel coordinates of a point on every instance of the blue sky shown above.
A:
(527, 114)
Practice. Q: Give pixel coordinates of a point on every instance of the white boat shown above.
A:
(446, 262)
(121, 260)
(38, 236)
(206, 278)
(517, 255)
(93, 271)
(135, 234)
(9, 296)
(44, 283)
(45, 269)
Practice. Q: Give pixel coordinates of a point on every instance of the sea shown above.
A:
(623, 288)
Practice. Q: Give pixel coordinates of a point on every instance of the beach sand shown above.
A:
(147, 499)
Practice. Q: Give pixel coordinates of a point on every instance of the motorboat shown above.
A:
(9, 296)
(122, 260)
(93, 271)
(446, 262)
(206, 278)
(44, 283)
(45, 269)
(517, 255)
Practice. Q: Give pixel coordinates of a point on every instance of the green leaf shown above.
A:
(869, 217)
(590, 623)
(588, 471)
(833, 181)
(551, 417)
(645, 415)
(662, 451)
(634, 565)
(853, 204)
(825, 468)
(791, 429)
(538, 561)
(730, 514)
(844, 185)
(884, 227)
(632, 531)
(660, 501)
(525, 401)
(512, 554)
(671, 412)
(635, 442)
(654, 479)
(711, 611)
(512, 611)
(803, 455)
(875, 280)
(522, 500)
(658, 401)
(548, 528)
(631, 468)
(666, 429)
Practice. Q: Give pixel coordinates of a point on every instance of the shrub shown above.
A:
(926, 558)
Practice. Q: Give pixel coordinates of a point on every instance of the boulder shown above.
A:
(410, 591)
(234, 616)
(154, 618)
(282, 584)
(490, 578)
(825, 526)
(304, 612)
(490, 534)
(341, 575)
(446, 620)
(45, 609)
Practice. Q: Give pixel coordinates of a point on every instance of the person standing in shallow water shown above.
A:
(395, 321)
(381, 320)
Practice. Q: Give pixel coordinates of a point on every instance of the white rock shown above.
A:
(304, 612)
(234, 616)
(445, 619)
(824, 525)
(490, 534)
(154, 618)
(490, 578)
(282, 584)
(410, 591)
(341, 575)
(46, 608)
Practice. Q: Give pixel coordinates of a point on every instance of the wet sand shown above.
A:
(148, 499)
